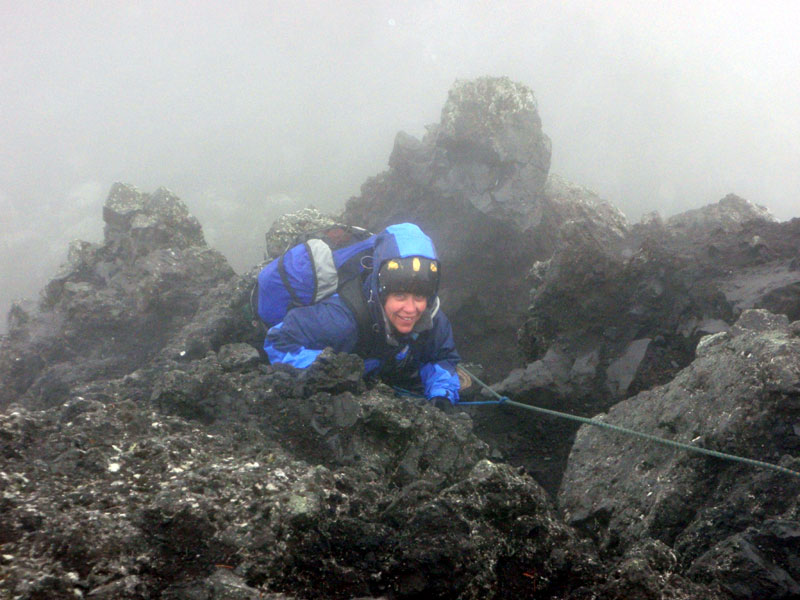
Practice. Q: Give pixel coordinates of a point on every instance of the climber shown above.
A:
(411, 345)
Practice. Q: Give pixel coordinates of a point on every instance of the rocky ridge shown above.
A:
(137, 412)
(610, 318)
(113, 305)
(204, 473)
(479, 184)
(606, 308)
(724, 521)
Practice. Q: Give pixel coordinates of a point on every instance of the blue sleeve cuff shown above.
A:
(370, 365)
(299, 357)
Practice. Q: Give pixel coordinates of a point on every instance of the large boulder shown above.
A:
(634, 304)
(284, 232)
(113, 305)
(611, 316)
(495, 153)
(728, 215)
(488, 149)
(729, 524)
(478, 184)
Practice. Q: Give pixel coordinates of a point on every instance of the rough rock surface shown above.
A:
(729, 525)
(193, 470)
(610, 318)
(113, 305)
(628, 305)
(148, 451)
(478, 184)
(728, 215)
(496, 153)
(284, 231)
(605, 309)
(222, 478)
(202, 473)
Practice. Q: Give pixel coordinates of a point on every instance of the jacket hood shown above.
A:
(399, 241)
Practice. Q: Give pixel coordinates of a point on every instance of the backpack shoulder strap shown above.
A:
(252, 313)
(350, 293)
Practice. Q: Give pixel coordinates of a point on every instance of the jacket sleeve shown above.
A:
(438, 368)
(306, 331)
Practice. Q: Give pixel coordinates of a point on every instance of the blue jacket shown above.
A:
(428, 350)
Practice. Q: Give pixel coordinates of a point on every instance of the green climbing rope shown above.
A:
(631, 432)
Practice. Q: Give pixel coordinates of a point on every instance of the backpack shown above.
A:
(322, 263)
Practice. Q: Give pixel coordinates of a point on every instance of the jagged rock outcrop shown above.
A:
(197, 471)
(611, 317)
(487, 149)
(283, 233)
(117, 304)
(730, 525)
(614, 302)
(193, 470)
(149, 451)
(478, 184)
(220, 478)
(728, 215)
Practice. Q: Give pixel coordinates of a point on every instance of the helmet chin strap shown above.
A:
(388, 328)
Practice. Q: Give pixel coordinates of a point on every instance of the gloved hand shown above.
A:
(442, 402)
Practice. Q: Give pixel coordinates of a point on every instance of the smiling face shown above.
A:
(404, 309)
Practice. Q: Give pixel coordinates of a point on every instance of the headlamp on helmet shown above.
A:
(414, 275)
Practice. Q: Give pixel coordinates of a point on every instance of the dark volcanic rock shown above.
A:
(286, 488)
(728, 215)
(188, 469)
(613, 316)
(283, 233)
(114, 305)
(478, 185)
(497, 156)
(631, 304)
(611, 311)
(624, 313)
(149, 452)
(730, 525)
(488, 149)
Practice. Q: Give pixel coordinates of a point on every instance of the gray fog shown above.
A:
(253, 109)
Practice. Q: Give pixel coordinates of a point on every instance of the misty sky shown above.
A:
(249, 110)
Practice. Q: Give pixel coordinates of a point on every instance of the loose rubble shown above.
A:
(149, 450)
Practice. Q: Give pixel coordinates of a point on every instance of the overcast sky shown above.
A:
(247, 109)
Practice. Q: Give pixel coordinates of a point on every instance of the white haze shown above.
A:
(249, 110)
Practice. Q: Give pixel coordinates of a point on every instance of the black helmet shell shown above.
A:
(413, 274)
